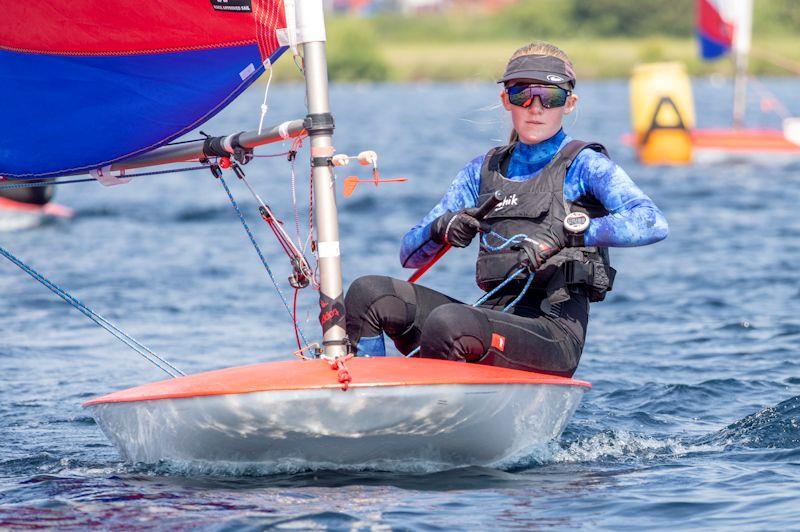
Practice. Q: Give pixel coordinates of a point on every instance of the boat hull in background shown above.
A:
(17, 215)
(482, 416)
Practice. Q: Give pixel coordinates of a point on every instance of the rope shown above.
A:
(43, 183)
(294, 319)
(146, 353)
(296, 145)
(520, 296)
(492, 292)
(281, 154)
(343, 373)
(770, 102)
(784, 62)
(264, 106)
(504, 242)
(263, 260)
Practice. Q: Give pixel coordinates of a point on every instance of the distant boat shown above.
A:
(24, 208)
(662, 107)
(724, 27)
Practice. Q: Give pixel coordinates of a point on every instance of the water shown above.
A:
(693, 421)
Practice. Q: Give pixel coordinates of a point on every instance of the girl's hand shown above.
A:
(456, 228)
(535, 251)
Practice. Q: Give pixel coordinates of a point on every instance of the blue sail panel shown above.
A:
(66, 114)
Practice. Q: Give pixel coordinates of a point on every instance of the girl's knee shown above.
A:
(366, 290)
(454, 331)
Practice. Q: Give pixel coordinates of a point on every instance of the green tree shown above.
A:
(640, 18)
(353, 53)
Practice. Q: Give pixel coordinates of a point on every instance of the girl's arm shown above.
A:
(417, 248)
(634, 219)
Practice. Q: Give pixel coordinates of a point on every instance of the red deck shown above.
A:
(317, 374)
(743, 140)
(48, 209)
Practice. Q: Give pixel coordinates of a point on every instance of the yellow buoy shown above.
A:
(662, 113)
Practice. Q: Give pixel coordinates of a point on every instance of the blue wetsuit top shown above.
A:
(634, 219)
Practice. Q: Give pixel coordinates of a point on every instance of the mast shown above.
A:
(742, 11)
(319, 125)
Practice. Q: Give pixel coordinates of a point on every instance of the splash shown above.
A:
(773, 427)
(286, 467)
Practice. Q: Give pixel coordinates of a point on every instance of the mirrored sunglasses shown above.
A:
(549, 95)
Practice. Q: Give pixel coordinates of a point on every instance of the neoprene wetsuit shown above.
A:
(534, 335)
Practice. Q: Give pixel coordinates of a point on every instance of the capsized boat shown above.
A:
(179, 64)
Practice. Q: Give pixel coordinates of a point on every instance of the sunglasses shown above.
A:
(549, 95)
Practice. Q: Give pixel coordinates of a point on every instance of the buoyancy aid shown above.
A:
(534, 207)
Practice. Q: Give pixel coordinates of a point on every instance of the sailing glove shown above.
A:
(456, 228)
(536, 250)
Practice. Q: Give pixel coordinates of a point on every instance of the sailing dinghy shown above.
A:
(115, 99)
(724, 27)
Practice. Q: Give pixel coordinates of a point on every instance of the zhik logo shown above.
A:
(509, 200)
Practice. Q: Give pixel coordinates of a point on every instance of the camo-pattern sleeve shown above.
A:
(417, 248)
(634, 219)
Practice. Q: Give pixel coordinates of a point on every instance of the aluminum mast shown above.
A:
(319, 125)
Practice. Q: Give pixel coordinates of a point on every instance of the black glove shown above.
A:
(536, 250)
(456, 228)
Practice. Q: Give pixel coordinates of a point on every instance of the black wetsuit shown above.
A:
(533, 336)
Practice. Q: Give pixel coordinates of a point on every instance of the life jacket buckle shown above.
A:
(579, 272)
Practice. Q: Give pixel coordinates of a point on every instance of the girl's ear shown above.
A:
(504, 99)
(572, 102)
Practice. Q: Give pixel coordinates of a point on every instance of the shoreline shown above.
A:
(481, 61)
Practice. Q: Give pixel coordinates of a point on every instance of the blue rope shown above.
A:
(148, 355)
(504, 242)
(497, 288)
(263, 260)
(492, 292)
(521, 294)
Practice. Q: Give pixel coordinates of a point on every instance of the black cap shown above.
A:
(546, 69)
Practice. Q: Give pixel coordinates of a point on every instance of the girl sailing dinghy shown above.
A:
(179, 64)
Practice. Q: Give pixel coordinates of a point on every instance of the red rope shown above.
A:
(311, 212)
(294, 319)
(343, 373)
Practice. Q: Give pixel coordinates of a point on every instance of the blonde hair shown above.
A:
(538, 48)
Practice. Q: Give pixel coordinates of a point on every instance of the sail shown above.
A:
(714, 30)
(86, 83)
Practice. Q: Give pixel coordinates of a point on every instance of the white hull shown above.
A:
(450, 424)
(20, 220)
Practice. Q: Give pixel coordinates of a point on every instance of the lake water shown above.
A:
(693, 421)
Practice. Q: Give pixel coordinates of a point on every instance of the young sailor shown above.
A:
(545, 175)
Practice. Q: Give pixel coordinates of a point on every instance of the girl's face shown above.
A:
(536, 123)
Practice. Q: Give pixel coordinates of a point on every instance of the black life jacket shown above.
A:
(534, 207)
